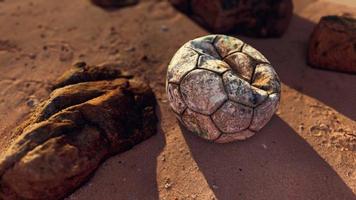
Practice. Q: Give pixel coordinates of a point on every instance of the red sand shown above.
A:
(307, 151)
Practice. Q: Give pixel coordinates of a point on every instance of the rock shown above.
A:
(114, 3)
(262, 18)
(94, 112)
(332, 44)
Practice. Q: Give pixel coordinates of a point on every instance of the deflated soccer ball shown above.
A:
(221, 88)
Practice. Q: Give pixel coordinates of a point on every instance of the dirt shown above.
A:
(307, 150)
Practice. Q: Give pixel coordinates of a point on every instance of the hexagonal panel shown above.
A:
(232, 117)
(200, 124)
(226, 45)
(264, 112)
(175, 98)
(204, 45)
(213, 64)
(241, 91)
(241, 64)
(182, 62)
(254, 53)
(266, 79)
(243, 135)
(203, 91)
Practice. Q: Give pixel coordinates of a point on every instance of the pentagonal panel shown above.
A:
(241, 64)
(213, 64)
(232, 117)
(200, 124)
(203, 91)
(225, 137)
(182, 62)
(226, 45)
(204, 45)
(254, 53)
(175, 98)
(264, 112)
(266, 79)
(241, 91)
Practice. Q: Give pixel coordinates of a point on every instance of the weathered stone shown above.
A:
(332, 44)
(241, 64)
(212, 64)
(226, 137)
(262, 18)
(114, 3)
(182, 62)
(265, 78)
(263, 113)
(203, 91)
(230, 79)
(241, 91)
(232, 117)
(84, 121)
(200, 124)
(175, 98)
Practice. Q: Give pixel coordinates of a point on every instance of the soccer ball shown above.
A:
(221, 88)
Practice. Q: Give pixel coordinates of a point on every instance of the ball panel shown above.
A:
(264, 112)
(225, 45)
(203, 91)
(266, 79)
(182, 62)
(175, 98)
(254, 53)
(240, 90)
(232, 117)
(204, 45)
(213, 64)
(200, 124)
(241, 64)
(243, 135)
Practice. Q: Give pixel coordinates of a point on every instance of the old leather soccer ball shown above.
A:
(221, 88)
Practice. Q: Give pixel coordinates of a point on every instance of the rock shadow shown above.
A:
(129, 175)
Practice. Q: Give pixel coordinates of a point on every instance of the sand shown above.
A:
(307, 151)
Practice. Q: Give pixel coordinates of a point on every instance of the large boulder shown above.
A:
(92, 113)
(332, 44)
(262, 18)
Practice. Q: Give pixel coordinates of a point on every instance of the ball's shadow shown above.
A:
(274, 164)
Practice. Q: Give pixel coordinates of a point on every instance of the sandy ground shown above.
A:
(307, 151)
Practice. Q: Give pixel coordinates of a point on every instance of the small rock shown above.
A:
(164, 28)
(332, 44)
(264, 146)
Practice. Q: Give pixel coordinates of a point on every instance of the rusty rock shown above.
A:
(93, 113)
(332, 44)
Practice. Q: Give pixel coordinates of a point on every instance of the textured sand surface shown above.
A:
(307, 151)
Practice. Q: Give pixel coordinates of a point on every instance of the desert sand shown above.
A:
(307, 151)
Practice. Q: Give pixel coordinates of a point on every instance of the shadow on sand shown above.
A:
(130, 175)
(274, 164)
